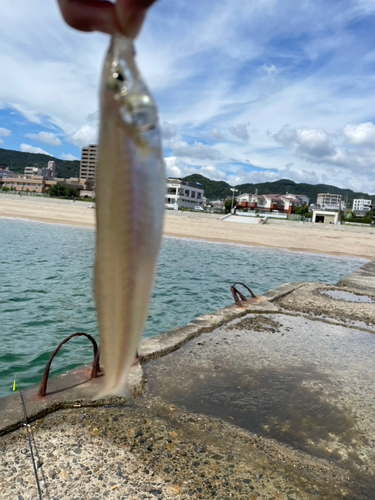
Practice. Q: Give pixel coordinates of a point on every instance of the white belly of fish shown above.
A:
(130, 192)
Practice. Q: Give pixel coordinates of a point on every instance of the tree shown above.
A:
(300, 210)
(228, 204)
(62, 191)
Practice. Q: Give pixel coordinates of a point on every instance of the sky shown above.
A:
(247, 91)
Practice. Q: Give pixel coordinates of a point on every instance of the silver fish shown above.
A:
(130, 192)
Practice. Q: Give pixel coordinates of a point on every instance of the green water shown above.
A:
(46, 289)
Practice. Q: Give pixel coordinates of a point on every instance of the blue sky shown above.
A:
(247, 91)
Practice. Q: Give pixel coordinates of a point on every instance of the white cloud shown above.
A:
(1, 141)
(240, 131)
(4, 132)
(197, 150)
(268, 69)
(287, 135)
(305, 84)
(175, 168)
(93, 117)
(362, 134)
(299, 175)
(68, 157)
(85, 135)
(213, 173)
(311, 142)
(47, 137)
(216, 134)
(314, 142)
(168, 130)
(26, 148)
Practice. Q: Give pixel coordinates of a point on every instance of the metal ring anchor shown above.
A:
(238, 296)
(95, 365)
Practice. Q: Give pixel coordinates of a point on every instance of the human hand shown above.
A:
(123, 16)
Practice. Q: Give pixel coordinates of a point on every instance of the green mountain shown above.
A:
(213, 190)
(17, 161)
(220, 189)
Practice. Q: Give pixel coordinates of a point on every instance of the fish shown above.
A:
(130, 193)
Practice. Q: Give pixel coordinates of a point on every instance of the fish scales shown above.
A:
(130, 191)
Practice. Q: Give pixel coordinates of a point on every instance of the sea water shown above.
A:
(46, 273)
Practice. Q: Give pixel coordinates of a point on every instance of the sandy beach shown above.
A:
(318, 238)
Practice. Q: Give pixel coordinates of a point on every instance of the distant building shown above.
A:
(272, 202)
(31, 170)
(39, 180)
(326, 216)
(32, 183)
(49, 172)
(40, 184)
(5, 172)
(362, 205)
(180, 193)
(51, 166)
(89, 160)
(330, 201)
(217, 204)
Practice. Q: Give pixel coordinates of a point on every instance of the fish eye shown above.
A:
(118, 76)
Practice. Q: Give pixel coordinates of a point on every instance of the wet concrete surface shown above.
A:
(315, 299)
(307, 384)
(348, 296)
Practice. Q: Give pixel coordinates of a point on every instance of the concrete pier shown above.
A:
(272, 401)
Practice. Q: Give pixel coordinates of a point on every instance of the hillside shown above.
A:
(220, 189)
(213, 190)
(17, 161)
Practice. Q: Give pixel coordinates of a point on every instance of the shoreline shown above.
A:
(339, 242)
(201, 239)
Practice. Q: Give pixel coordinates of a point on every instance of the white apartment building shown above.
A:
(330, 201)
(89, 160)
(364, 205)
(180, 193)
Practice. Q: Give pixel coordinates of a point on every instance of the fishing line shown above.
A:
(30, 445)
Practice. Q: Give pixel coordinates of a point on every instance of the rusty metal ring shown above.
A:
(238, 296)
(95, 365)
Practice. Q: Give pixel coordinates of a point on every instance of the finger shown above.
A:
(90, 15)
(131, 14)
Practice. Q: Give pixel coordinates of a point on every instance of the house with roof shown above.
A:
(272, 202)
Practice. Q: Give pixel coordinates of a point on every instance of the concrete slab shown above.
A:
(305, 383)
(242, 219)
(362, 279)
(67, 390)
(331, 302)
(282, 290)
(169, 341)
